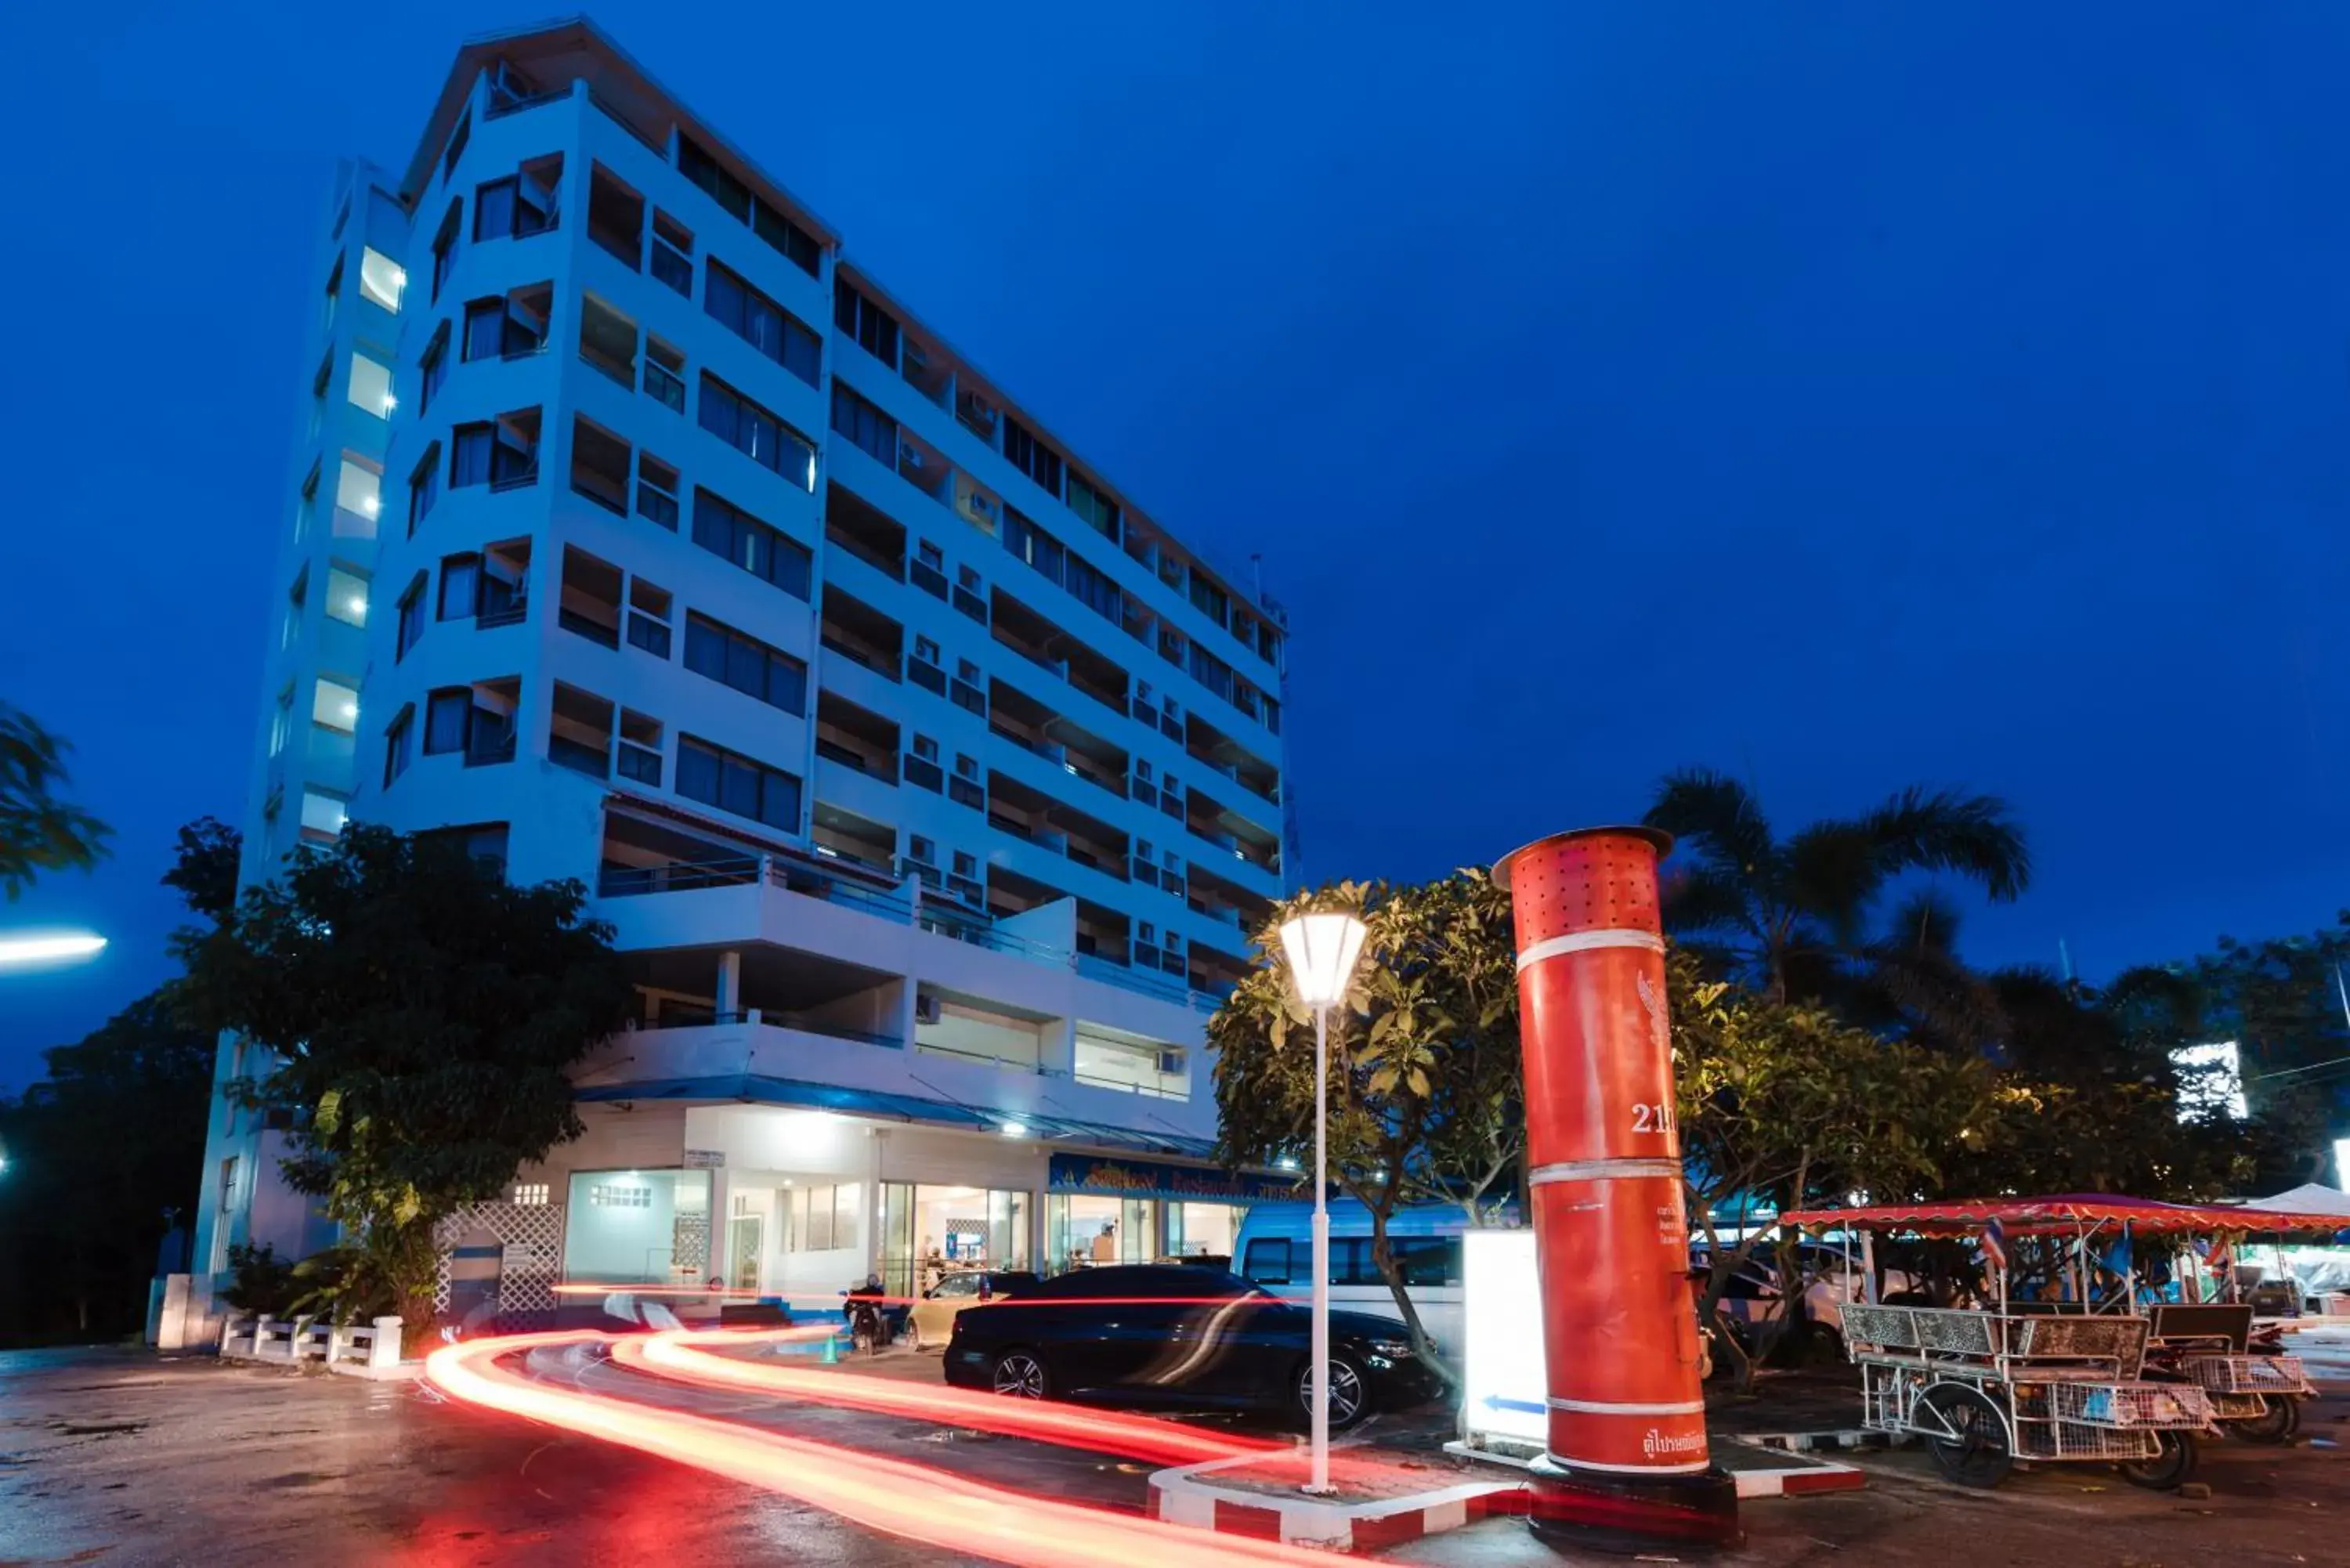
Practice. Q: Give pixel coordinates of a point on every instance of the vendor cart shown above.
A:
(2079, 1375)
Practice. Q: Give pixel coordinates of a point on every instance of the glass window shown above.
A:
(636, 1227)
(335, 706)
(445, 714)
(461, 577)
(411, 618)
(323, 816)
(424, 486)
(358, 487)
(347, 595)
(756, 433)
(371, 385)
(397, 743)
(470, 452)
(1267, 1261)
(381, 279)
(865, 425)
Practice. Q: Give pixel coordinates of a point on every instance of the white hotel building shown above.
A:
(637, 534)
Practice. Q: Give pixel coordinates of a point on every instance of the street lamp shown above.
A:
(36, 949)
(1322, 951)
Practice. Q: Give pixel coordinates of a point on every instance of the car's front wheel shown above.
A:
(1350, 1395)
(1018, 1374)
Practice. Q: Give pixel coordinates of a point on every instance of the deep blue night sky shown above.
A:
(1841, 395)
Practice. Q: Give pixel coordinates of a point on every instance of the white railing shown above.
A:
(369, 1349)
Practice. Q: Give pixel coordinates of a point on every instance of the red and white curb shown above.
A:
(1807, 1442)
(1804, 1480)
(1186, 1495)
(1796, 1481)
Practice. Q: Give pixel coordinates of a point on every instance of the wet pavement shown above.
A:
(112, 1455)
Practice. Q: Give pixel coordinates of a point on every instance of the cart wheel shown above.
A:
(2170, 1466)
(1980, 1455)
(2276, 1423)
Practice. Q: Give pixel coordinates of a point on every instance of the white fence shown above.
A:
(360, 1349)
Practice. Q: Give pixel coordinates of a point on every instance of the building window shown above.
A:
(657, 490)
(649, 617)
(530, 1195)
(423, 487)
(665, 374)
(1031, 456)
(228, 1183)
(323, 816)
(461, 587)
(457, 139)
(672, 253)
(370, 388)
(1099, 510)
(335, 706)
(298, 599)
(519, 205)
(866, 324)
(411, 618)
(926, 748)
(639, 756)
(281, 722)
(502, 455)
(399, 743)
(756, 433)
(798, 246)
(746, 664)
(865, 425)
(921, 850)
(381, 279)
(735, 784)
(358, 491)
(447, 717)
(759, 321)
(503, 328)
(334, 296)
(926, 649)
(484, 842)
(444, 246)
(765, 553)
(432, 369)
(347, 595)
(965, 865)
(620, 1196)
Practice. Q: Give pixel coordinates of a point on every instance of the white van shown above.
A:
(1274, 1248)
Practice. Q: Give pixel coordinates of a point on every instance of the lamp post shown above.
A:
(1322, 951)
(16, 950)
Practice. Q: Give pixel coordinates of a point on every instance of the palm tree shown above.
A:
(1800, 915)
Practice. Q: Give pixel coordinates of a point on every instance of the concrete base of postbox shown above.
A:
(1605, 1511)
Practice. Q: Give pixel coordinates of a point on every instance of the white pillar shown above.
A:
(384, 1353)
(730, 982)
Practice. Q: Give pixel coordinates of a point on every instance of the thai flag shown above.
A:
(2221, 1257)
(1994, 1244)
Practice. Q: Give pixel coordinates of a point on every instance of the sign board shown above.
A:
(1504, 1372)
(1156, 1178)
(705, 1159)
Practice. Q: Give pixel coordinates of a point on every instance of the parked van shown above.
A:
(1274, 1248)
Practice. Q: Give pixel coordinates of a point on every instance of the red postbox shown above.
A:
(1627, 1452)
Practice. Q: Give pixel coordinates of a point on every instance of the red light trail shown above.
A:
(677, 1354)
(889, 1495)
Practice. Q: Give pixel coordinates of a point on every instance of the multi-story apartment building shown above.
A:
(637, 536)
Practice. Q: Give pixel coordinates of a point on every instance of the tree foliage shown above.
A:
(1801, 918)
(1424, 1069)
(103, 1156)
(205, 868)
(38, 831)
(419, 1011)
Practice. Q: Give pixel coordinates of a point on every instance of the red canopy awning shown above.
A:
(2062, 1213)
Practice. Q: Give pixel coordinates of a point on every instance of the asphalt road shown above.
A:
(120, 1457)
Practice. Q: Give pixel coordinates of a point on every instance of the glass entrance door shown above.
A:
(745, 1234)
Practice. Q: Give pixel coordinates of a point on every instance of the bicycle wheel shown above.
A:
(1978, 1454)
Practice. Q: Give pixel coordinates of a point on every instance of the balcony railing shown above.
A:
(943, 919)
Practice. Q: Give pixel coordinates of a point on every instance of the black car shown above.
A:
(1198, 1338)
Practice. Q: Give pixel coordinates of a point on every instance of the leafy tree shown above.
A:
(205, 868)
(1782, 1105)
(103, 1156)
(1799, 916)
(421, 1011)
(40, 832)
(1424, 1101)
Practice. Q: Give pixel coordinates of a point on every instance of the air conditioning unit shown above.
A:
(1170, 1061)
(926, 1009)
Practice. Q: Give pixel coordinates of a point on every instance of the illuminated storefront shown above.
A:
(1107, 1210)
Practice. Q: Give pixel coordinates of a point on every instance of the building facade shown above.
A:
(637, 535)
